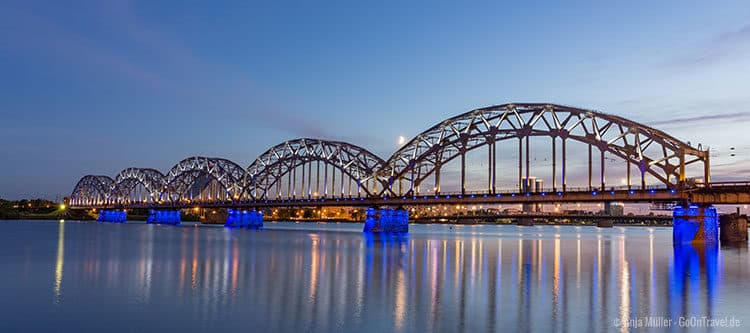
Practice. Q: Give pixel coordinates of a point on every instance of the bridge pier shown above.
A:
(386, 220)
(169, 217)
(695, 224)
(112, 215)
(733, 228)
(251, 219)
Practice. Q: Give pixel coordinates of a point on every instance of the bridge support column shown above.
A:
(169, 217)
(250, 219)
(695, 224)
(112, 215)
(386, 220)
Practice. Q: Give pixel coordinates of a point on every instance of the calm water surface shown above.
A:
(85, 276)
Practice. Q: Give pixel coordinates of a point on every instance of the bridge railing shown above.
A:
(559, 189)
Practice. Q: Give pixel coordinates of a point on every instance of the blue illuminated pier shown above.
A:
(169, 217)
(695, 224)
(386, 220)
(250, 219)
(113, 216)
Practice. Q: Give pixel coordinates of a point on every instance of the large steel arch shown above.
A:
(127, 180)
(183, 175)
(92, 190)
(267, 170)
(650, 150)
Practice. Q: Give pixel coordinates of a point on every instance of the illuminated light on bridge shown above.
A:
(653, 167)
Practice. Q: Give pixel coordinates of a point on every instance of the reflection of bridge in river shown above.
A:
(570, 279)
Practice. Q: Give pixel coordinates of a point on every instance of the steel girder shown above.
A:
(651, 150)
(182, 176)
(92, 190)
(356, 162)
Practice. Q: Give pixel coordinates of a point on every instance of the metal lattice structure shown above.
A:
(650, 150)
(92, 190)
(264, 175)
(292, 170)
(185, 173)
(127, 182)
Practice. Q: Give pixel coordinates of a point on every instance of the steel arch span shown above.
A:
(283, 175)
(184, 175)
(649, 150)
(264, 176)
(127, 181)
(92, 190)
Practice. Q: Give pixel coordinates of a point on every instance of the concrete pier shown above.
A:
(250, 219)
(695, 224)
(386, 220)
(114, 216)
(169, 217)
(733, 228)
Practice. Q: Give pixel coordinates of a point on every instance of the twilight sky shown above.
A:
(92, 87)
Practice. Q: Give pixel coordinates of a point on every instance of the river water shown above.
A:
(86, 276)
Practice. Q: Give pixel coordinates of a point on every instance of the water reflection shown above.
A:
(463, 279)
(693, 280)
(59, 262)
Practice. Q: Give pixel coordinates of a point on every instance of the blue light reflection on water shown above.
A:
(331, 277)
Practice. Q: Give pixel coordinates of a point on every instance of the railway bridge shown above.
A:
(530, 154)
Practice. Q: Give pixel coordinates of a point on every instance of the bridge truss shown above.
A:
(649, 150)
(313, 169)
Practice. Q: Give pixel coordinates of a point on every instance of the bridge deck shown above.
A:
(653, 195)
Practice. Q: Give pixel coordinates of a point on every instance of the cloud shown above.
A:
(730, 170)
(722, 47)
(296, 124)
(239, 88)
(25, 31)
(727, 117)
(122, 16)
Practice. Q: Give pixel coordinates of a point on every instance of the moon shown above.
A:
(401, 140)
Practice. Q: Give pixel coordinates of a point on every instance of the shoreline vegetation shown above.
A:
(36, 209)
